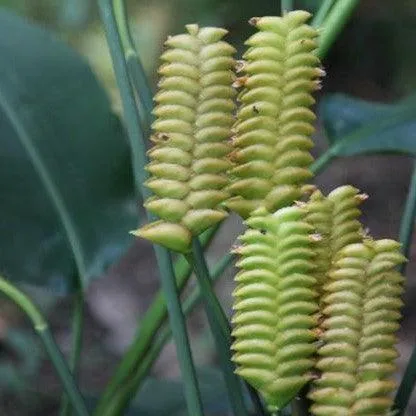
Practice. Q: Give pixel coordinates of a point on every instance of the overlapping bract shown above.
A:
(194, 116)
(362, 309)
(274, 304)
(274, 122)
(335, 219)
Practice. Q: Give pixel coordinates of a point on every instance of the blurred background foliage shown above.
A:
(373, 60)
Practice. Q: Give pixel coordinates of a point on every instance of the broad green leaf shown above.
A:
(356, 127)
(65, 177)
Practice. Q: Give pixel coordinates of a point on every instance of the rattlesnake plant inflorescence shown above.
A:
(308, 272)
(191, 133)
(362, 298)
(336, 219)
(274, 123)
(274, 304)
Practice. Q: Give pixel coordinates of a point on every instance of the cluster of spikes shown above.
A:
(317, 299)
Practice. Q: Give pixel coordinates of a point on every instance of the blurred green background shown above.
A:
(374, 59)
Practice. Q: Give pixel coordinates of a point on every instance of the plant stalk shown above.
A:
(322, 13)
(42, 329)
(220, 328)
(286, 6)
(134, 64)
(153, 319)
(334, 23)
(163, 257)
(76, 345)
(126, 391)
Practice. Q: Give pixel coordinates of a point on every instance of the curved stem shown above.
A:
(41, 327)
(334, 23)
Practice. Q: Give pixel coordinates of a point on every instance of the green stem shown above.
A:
(323, 161)
(163, 257)
(322, 13)
(41, 327)
(220, 328)
(134, 64)
(126, 391)
(180, 335)
(334, 23)
(408, 218)
(76, 347)
(131, 114)
(286, 6)
(153, 319)
(408, 381)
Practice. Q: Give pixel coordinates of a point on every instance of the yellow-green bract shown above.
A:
(194, 116)
(335, 219)
(275, 301)
(274, 122)
(362, 302)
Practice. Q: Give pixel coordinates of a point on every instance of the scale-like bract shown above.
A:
(335, 219)
(275, 301)
(362, 302)
(194, 116)
(274, 122)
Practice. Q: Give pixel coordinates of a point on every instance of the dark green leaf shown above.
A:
(65, 176)
(355, 126)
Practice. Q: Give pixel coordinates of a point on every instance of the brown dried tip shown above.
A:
(322, 72)
(239, 65)
(235, 249)
(232, 156)
(253, 21)
(240, 82)
(362, 197)
(365, 232)
(318, 85)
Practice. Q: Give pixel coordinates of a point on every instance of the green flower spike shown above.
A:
(194, 116)
(362, 298)
(275, 301)
(335, 219)
(274, 123)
